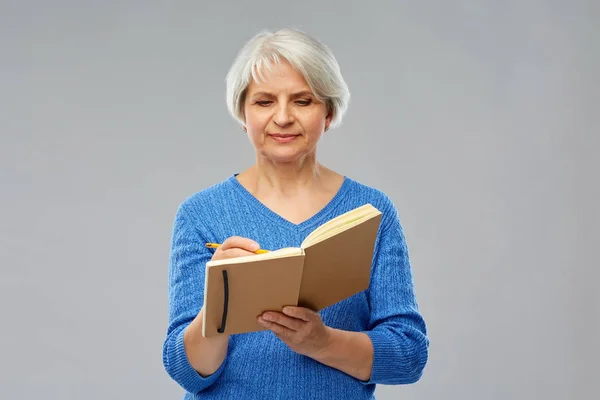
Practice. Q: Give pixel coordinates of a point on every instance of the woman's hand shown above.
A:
(299, 328)
(235, 246)
(207, 354)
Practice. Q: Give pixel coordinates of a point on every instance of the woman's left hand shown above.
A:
(300, 328)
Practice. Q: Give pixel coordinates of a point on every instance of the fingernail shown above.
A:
(287, 310)
(254, 246)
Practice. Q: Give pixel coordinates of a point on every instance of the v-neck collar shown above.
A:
(311, 223)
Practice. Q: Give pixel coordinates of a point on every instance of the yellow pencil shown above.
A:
(215, 245)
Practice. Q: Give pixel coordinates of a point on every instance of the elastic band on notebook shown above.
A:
(226, 302)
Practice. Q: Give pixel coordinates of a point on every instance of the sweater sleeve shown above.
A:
(396, 328)
(186, 287)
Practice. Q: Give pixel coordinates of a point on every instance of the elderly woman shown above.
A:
(285, 88)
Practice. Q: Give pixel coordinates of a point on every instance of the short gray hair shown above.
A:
(310, 57)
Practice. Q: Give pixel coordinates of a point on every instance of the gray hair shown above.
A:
(311, 58)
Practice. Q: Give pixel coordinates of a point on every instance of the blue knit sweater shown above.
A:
(258, 365)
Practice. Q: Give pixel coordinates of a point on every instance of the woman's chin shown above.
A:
(283, 155)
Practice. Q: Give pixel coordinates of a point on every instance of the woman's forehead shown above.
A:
(282, 77)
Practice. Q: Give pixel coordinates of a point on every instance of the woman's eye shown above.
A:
(263, 103)
(303, 102)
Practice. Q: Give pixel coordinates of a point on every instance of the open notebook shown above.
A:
(332, 264)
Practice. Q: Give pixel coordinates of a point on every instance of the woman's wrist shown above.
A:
(205, 355)
(349, 352)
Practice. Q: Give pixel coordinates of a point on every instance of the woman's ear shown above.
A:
(327, 121)
(328, 117)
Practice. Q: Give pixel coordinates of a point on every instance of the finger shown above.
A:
(239, 242)
(283, 320)
(301, 313)
(277, 329)
(234, 253)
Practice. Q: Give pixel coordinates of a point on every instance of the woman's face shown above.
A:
(284, 120)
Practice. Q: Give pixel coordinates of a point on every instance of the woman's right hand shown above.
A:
(235, 246)
(207, 354)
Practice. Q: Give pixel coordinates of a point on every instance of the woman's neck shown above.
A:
(285, 179)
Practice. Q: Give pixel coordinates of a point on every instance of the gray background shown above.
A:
(479, 119)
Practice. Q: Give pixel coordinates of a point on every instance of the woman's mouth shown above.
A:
(281, 138)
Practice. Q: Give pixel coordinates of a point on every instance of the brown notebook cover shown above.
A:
(315, 277)
(338, 267)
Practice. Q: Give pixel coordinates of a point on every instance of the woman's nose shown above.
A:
(283, 116)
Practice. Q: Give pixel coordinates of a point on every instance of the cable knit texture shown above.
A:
(258, 365)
